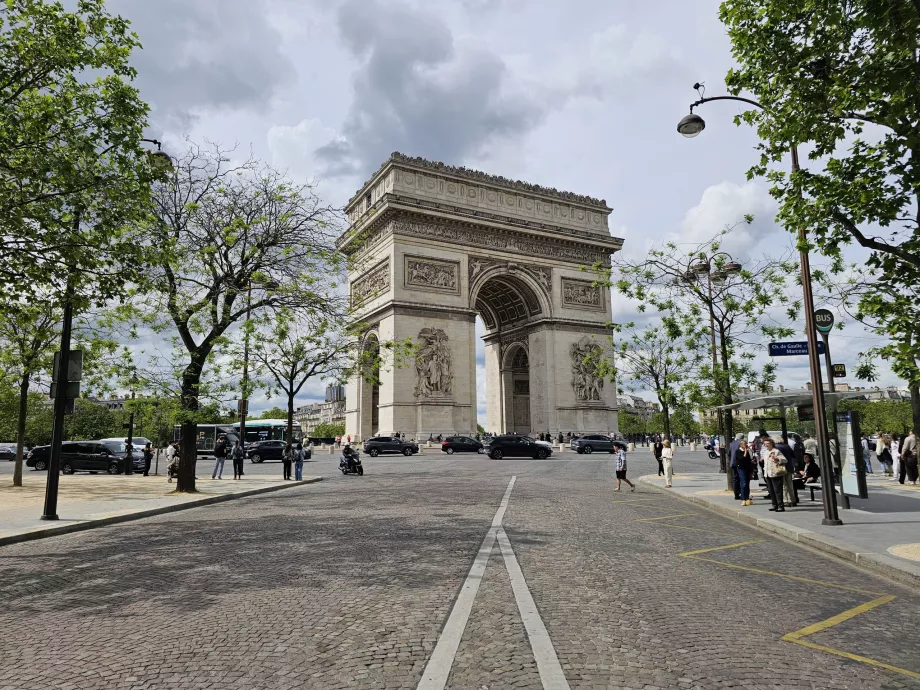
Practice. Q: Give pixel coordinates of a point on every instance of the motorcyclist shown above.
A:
(349, 455)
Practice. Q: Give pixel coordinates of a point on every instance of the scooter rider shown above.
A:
(349, 454)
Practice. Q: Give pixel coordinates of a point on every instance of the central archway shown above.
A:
(511, 302)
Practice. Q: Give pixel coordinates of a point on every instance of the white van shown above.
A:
(753, 435)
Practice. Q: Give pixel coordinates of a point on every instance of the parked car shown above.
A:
(260, 451)
(512, 446)
(388, 444)
(84, 456)
(8, 451)
(461, 444)
(37, 458)
(592, 442)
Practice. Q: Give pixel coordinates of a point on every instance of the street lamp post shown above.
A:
(690, 126)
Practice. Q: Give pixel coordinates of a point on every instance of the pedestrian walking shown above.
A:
(909, 459)
(148, 458)
(667, 460)
(238, 458)
(287, 457)
(774, 469)
(867, 454)
(894, 448)
(172, 461)
(621, 466)
(883, 453)
(656, 449)
(741, 462)
(220, 454)
(298, 462)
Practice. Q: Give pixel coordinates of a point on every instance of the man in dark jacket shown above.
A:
(656, 449)
(791, 498)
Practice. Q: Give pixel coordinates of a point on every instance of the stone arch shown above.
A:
(369, 390)
(507, 296)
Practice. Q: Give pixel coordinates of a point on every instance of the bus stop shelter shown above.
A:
(791, 398)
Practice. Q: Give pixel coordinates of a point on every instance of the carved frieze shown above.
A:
(490, 238)
(372, 284)
(424, 273)
(582, 294)
(433, 373)
(587, 383)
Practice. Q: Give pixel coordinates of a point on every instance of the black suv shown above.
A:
(260, 451)
(517, 447)
(461, 444)
(83, 456)
(389, 444)
(592, 442)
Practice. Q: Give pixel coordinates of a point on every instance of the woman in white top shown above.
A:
(667, 458)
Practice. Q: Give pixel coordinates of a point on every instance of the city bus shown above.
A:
(256, 430)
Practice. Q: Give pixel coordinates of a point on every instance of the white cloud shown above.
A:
(726, 204)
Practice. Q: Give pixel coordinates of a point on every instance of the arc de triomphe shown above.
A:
(435, 245)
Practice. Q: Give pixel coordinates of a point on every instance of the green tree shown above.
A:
(325, 430)
(479, 429)
(27, 334)
(724, 306)
(229, 242)
(274, 413)
(73, 173)
(843, 78)
(630, 423)
(295, 350)
(656, 358)
(91, 420)
(683, 422)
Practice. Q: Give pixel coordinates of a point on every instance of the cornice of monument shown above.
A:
(469, 174)
(392, 206)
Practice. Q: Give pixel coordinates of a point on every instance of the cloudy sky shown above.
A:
(579, 95)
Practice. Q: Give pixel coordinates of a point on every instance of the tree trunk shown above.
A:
(188, 434)
(289, 436)
(915, 407)
(666, 415)
(21, 428)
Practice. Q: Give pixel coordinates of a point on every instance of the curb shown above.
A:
(878, 563)
(128, 517)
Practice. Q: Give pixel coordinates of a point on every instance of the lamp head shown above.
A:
(691, 125)
(160, 161)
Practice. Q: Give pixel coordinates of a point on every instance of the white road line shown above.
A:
(550, 670)
(442, 658)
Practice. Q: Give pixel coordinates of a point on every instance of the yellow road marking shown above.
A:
(639, 500)
(664, 517)
(798, 636)
(688, 554)
(839, 618)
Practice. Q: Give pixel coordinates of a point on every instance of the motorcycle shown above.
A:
(712, 454)
(353, 467)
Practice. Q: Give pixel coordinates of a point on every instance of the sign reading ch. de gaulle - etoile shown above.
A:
(789, 349)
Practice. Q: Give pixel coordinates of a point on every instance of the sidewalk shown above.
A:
(86, 501)
(880, 533)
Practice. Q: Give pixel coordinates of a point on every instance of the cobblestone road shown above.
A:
(348, 584)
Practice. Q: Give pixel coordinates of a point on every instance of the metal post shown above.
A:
(245, 400)
(60, 406)
(723, 446)
(828, 492)
(835, 459)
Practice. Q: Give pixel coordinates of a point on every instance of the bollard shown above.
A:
(561, 447)
(692, 446)
(631, 447)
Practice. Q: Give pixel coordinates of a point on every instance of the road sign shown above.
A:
(840, 371)
(74, 370)
(71, 392)
(824, 320)
(788, 349)
(242, 406)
